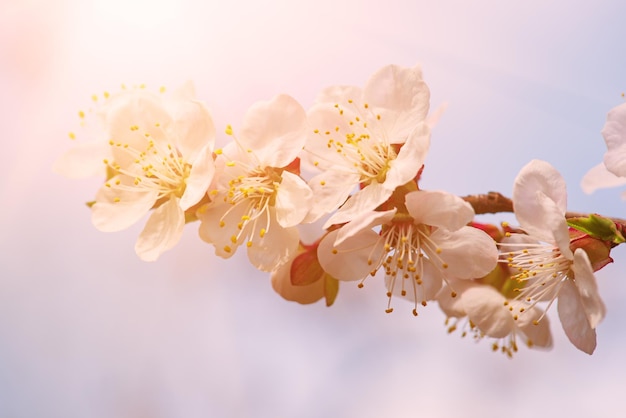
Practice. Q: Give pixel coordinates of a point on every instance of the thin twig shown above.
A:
(494, 202)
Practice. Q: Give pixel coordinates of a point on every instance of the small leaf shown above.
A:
(331, 288)
(598, 227)
(306, 269)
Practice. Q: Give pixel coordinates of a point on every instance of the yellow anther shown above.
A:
(249, 244)
(218, 151)
(334, 251)
(323, 183)
(116, 199)
(222, 224)
(81, 114)
(262, 232)
(230, 164)
(142, 86)
(72, 135)
(228, 130)
(106, 94)
(162, 89)
(233, 239)
(94, 97)
(390, 310)
(105, 161)
(227, 249)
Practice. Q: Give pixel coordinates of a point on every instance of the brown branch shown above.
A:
(494, 202)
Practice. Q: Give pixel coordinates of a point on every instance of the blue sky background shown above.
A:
(88, 330)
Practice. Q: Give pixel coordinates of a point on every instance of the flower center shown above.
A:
(400, 252)
(251, 195)
(538, 269)
(158, 167)
(367, 153)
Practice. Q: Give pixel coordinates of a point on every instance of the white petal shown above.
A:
(162, 231)
(330, 190)
(83, 160)
(293, 200)
(439, 209)
(574, 319)
(143, 111)
(366, 199)
(350, 261)
(277, 247)
(585, 282)
(213, 231)
(409, 160)
(326, 118)
(109, 215)
(539, 335)
(469, 252)
(614, 133)
(400, 97)
(599, 177)
(192, 126)
(275, 131)
(338, 94)
(485, 308)
(452, 306)
(367, 220)
(540, 203)
(200, 177)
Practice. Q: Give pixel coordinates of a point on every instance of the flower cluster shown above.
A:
(352, 162)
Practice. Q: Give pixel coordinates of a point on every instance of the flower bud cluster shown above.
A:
(352, 162)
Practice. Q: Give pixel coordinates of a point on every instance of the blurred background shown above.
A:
(88, 330)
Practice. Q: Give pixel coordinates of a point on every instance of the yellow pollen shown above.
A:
(94, 97)
(106, 94)
(162, 89)
(233, 239)
(227, 248)
(249, 244)
(230, 164)
(366, 105)
(105, 161)
(262, 232)
(81, 114)
(317, 131)
(228, 130)
(116, 199)
(222, 224)
(72, 135)
(323, 183)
